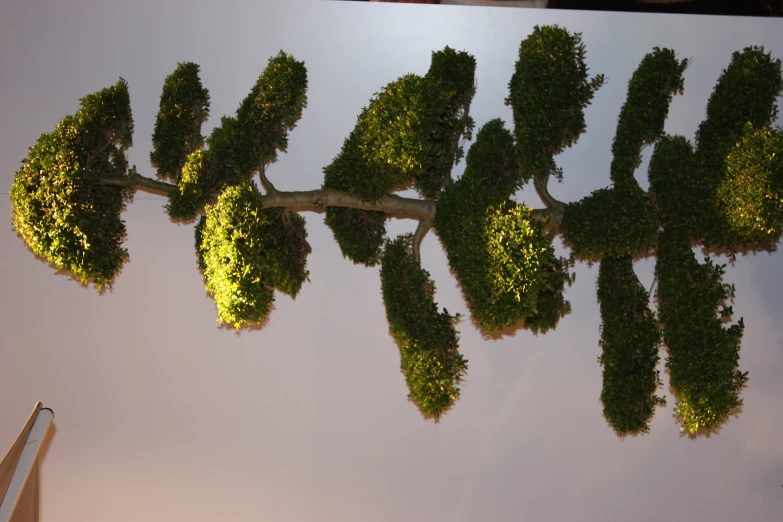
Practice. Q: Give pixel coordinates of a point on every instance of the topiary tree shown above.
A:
(725, 192)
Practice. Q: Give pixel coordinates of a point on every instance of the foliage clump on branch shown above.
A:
(629, 348)
(548, 93)
(427, 339)
(703, 355)
(247, 252)
(725, 190)
(502, 257)
(59, 207)
(409, 133)
(184, 107)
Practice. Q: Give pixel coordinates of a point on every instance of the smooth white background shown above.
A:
(162, 415)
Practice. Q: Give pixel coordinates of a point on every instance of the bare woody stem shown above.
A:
(554, 208)
(268, 187)
(425, 225)
(319, 200)
(310, 200)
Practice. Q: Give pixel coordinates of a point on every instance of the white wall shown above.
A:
(162, 415)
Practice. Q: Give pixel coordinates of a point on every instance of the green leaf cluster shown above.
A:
(548, 93)
(703, 355)
(751, 194)
(184, 107)
(427, 339)
(746, 92)
(616, 221)
(58, 205)
(650, 90)
(629, 348)
(206, 172)
(269, 112)
(674, 184)
(501, 255)
(246, 252)
(409, 133)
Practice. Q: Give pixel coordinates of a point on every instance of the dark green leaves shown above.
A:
(616, 221)
(745, 93)
(703, 355)
(502, 257)
(184, 107)
(548, 92)
(427, 339)
(650, 91)
(492, 159)
(269, 112)
(674, 184)
(629, 345)
(409, 134)
(246, 252)
(359, 233)
(58, 205)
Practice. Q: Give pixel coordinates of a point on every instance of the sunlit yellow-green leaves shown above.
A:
(58, 205)
(519, 251)
(650, 90)
(189, 195)
(270, 112)
(427, 339)
(184, 106)
(246, 252)
(746, 92)
(503, 260)
(408, 134)
(548, 93)
(751, 195)
(629, 348)
(703, 355)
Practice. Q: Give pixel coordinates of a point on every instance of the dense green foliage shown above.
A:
(745, 93)
(629, 344)
(246, 252)
(190, 195)
(184, 106)
(703, 355)
(502, 257)
(409, 134)
(621, 220)
(206, 172)
(58, 205)
(269, 112)
(615, 221)
(240, 146)
(751, 194)
(674, 181)
(548, 93)
(427, 339)
(650, 90)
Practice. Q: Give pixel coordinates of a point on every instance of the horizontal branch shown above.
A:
(319, 200)
(137, 180)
